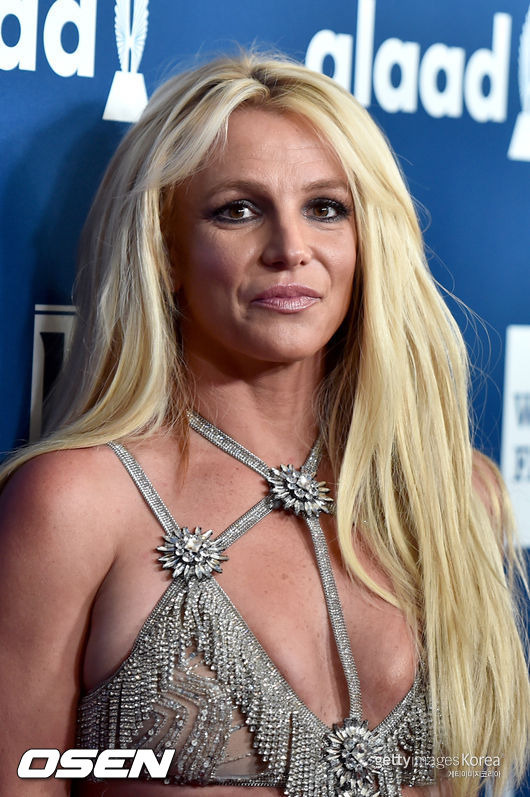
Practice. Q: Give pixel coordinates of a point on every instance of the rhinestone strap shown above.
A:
(336, 615)
(302, 755)
(246, 521)
(311, 464)
(338, 625)
(152, 498)
(242, 454)
(164, 516)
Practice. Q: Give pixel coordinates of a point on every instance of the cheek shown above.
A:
(345, 277)
(202, 267)
(345, 274)
(200, 260)
(219, 257)
(209, 284)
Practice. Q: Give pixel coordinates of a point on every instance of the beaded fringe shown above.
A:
(131, 708)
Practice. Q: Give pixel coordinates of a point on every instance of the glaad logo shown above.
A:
(128, 97)
(23, 15)
(520, 144)
(442, 78)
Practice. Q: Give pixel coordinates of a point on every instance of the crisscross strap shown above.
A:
(155, 503)
(407, 727)
(150, 495)
(310, 466)
(249, 519)
(242, 454)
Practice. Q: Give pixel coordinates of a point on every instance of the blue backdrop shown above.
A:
(54, 142)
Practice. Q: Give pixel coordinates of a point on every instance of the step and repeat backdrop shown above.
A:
(448, 82)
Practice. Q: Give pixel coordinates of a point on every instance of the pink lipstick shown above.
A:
(287, 298)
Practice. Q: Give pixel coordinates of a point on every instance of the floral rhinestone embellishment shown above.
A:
(192, 554)
(299, 492)
(354, 758)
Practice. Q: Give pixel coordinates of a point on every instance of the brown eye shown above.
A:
(327, 210)
(235, 212)
(324, 211)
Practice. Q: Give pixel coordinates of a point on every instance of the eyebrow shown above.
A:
(257, 185)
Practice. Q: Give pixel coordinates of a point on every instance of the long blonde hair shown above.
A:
(394, 404)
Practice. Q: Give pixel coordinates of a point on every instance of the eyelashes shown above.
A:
(329, 210)
(320, 209)
(236, 212)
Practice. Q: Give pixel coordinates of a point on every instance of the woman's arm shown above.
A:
(53, 557)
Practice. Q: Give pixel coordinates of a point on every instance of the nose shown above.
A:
(287, 244)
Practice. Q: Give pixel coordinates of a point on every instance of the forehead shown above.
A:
(264, 142)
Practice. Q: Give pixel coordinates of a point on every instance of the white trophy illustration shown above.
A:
(520, 144)
(127, 96)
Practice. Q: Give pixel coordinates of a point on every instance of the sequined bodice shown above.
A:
(198, 681)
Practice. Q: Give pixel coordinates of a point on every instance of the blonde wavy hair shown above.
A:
(394, 404)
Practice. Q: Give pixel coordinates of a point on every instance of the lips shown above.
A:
(287, 298)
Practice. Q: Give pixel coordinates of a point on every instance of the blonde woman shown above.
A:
(256, 539)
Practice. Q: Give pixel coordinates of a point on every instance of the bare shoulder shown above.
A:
(61, 501)
(489, 487)
(56, 547)
(58, 540)
(486, 475)
(76, 505)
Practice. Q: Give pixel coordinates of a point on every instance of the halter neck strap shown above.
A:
(291, 489)
(230, 446)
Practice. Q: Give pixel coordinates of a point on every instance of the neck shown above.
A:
(268, 408)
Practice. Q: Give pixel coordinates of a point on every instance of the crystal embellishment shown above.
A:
(195, 626)
(354, 757)
(299, 492)
(192, 554)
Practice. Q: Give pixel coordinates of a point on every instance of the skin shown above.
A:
(83, 576)
(262, 216)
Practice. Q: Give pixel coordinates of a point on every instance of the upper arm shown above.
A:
(52, 560)
(489, 487)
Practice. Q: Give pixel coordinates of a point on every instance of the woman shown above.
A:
(252, 277)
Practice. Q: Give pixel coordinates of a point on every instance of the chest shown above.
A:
(272, 578)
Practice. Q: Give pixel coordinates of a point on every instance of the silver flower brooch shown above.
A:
(299, 492)
(354, 758)
(192, 554)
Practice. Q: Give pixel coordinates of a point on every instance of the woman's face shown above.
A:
(264, 244)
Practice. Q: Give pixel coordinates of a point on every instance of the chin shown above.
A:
(287, 354)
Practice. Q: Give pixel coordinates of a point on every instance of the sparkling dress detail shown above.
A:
(198, 681)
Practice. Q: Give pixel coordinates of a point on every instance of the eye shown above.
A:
(324, 209)
(235, 212)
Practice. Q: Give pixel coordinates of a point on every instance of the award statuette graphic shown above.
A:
(520, 144)
(128, 97)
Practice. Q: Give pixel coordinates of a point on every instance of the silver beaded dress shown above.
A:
(197, 680)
